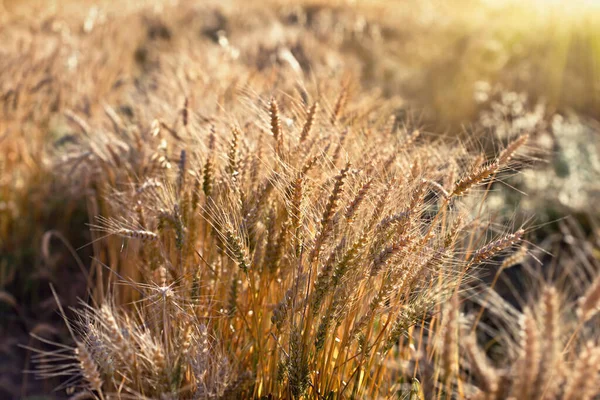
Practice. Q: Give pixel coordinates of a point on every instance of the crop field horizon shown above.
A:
(300, 200)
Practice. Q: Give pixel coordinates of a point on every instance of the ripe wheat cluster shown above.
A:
(304, 254)
(291, 254)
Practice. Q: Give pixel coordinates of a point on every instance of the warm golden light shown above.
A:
(570, 7)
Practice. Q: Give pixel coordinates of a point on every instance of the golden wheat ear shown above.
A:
(75, 362)
(589, 303)
(310, 120)
(482, 368)
(547, 382)
(123, 229)
(276, 126)
(527, 366)
(583, 377)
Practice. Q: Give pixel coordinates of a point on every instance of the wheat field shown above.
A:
(312, 200)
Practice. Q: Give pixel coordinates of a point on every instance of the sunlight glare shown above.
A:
(569, 6)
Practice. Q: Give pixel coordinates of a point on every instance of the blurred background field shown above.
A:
(476, 70)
